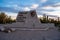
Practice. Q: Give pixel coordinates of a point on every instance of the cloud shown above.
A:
(11, 5)
(13, 15)
(54, 7)
(20, 8)
(14, 6)
(57, 4)
(11, 2)
(54, 13)
(40, 5)
(34, 6)
(43, 1)
(48, 7)
(26, 9)
(39, 16)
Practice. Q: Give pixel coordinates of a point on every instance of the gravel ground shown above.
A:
(51, 34)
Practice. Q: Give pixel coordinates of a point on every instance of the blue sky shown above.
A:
(48, 7)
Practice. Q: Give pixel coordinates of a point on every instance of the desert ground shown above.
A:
(34, 34)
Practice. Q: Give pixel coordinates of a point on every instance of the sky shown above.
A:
(48, 7)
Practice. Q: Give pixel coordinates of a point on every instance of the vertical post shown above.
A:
(58, 18)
